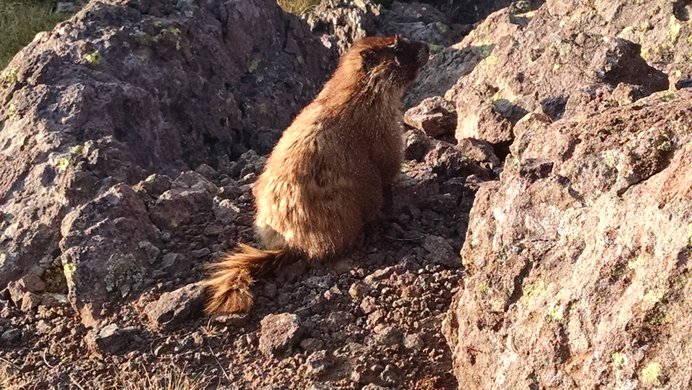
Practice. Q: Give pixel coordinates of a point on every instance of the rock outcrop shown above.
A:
(578, 258)
(124, 89)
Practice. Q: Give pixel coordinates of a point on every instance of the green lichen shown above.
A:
(674, 28)
(636, 263)
(77, 150)
(12, 112)
(668, 96)
(68, 269)
(123, 271)
(651, 374)
(555, 312)
(254, 64)
(434, 49)
(93, 58)
(10, 75)
(485, 50)
(654, 296)
(535, 289)
(168, 32)
(64, 164)
(658, 317)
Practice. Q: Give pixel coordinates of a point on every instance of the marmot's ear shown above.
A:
(369, 59)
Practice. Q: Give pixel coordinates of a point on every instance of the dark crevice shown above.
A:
(681, 9)
(518, 290)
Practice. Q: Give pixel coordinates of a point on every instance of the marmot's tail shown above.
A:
(229, 284)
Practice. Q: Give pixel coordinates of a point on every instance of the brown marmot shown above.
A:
(331, 170)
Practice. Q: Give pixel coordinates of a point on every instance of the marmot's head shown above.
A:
(386, 63)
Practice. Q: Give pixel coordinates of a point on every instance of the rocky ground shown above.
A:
(549, 144)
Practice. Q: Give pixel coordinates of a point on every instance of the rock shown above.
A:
(279, 333)
(225, 211)
(111, 339)
(387, 336)
(30, 283)
(30, 301)
(178, 206)
(413, 342)
(317, 362)
(174, 93)
(10, 336)
(100, 249)
(176, 307)
(578, 253)
(417, 145)
(435, 116)
(507, 67)
(311, 344)
(155, 184)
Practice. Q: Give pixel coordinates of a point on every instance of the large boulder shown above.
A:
(578, 258)
(560, 59)
(124, 89)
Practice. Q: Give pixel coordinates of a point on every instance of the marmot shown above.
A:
(330, 171)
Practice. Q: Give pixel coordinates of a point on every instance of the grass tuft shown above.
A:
(20, 21)
(297, 7)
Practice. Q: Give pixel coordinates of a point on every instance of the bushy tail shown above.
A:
(232, 277)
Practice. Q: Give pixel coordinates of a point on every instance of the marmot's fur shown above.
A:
(330, 172)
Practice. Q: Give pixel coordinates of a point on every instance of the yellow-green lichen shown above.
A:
(485, 50)
(555, 312)
(254, 64)
(533, 290)
(674, 28)
(618, 359)
(93, 58)
(68, 270)
(64, 164)
(636, 263)
(122, 271)
(668, 96)
(10, 75)
(651, 374)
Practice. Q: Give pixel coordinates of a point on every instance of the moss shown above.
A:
(651, 374)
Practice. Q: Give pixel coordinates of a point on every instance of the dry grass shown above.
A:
(20, 20)
(9, 377)
(169, 378)
(297, 7)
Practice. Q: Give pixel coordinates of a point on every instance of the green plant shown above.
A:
(20, 20)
